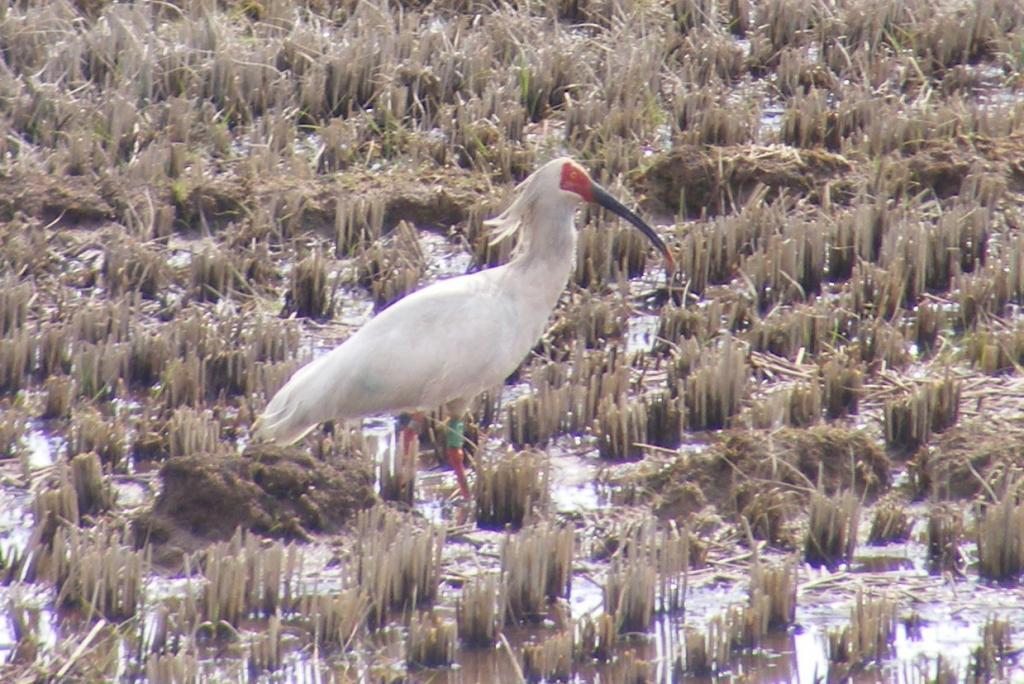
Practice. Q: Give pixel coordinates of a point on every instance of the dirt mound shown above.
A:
(277, 492)
(968, 460)
(685, 486)
(66, 201)
(943, 165)
(846, 458)
(427, 198)
(715, 178)
(767, 476)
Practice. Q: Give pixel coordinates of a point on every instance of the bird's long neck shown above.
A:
(544, 256)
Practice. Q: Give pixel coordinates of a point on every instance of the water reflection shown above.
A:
(42, 450)
(573, 481)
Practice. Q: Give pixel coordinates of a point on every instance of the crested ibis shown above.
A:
(444, 344)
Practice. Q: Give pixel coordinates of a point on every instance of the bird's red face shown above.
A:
(575, 179)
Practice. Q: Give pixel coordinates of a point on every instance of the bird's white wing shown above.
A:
(450, 340)
(446, 341)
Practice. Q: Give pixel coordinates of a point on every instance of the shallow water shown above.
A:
(950, 612)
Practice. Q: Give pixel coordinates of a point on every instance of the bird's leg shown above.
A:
(410, 423)
(456, 437)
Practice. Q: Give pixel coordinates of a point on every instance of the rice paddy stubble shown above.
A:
(894, 202)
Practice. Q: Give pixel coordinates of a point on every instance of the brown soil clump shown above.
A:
(425, 197)
(767, 476)
(718, 178)
(682, 488)
(846, 458)
(968, 460)
(214, 202)
(943, 165)
(277, 492)
(715, 178)
(65, 201)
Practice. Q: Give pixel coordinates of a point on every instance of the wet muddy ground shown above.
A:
(799, 461)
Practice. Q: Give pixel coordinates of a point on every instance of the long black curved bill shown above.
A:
(613, 205)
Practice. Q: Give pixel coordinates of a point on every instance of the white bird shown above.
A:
(444, 344)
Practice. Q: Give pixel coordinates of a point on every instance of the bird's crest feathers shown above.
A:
(508, 222)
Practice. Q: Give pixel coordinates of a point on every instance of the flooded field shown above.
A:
(800, 459)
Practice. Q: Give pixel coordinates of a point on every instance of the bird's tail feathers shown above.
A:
(284, 421)
(281, 432)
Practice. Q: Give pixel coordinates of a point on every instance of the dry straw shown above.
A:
(392, 271)
(945, 532)
(868, 638)
(396, 474)
(480, 610)
(265, 650)
(991, 659)
(244, 578)
(311, 293)
(54, 506)
(172, 668)
(890, 523)
(549, 660)
(777, 584)
(648, 573)
(621, 428)
(1000, 539)
(334, 618)
(536, 567)
(736, 630)
(712, 393)
(13, 426)
(97, 572)
(431, 641)
(60, 393)
(629, 592)
(210, 160)
(508, 487)
(189, 431)
(831, 528)
(910, 422)
(399, 563)
(92, 490)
